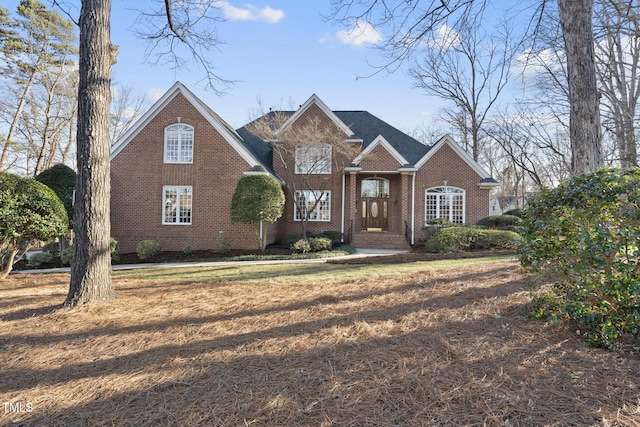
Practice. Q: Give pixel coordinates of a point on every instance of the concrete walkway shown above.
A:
(359, 253)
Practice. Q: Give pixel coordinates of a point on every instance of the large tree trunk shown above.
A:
(584, 124)
(91, 262)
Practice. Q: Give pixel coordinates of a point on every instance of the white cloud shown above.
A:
(250, 12)
(154, 94)
(445, 38)
(361, 34)
(529, 64)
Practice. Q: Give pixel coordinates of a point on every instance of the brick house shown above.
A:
(174, 172)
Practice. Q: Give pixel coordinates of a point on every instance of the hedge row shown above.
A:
(453, 239)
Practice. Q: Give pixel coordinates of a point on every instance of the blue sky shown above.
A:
(280, 51)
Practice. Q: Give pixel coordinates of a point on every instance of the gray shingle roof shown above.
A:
(365, 125)
(258, 147)
(368, 127)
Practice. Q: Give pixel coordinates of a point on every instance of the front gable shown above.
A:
(380, 156)
(173, 95)
(314, 107)
(447, 143)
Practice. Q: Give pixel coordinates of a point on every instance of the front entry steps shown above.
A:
(379, 240)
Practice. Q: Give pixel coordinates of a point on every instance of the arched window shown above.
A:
(375, 187)
(444, 202)
(178, 143)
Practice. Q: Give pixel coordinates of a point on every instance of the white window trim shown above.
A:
(461, 192)
(164, 204)
(179, 133)
(326, 193)
(388, 187)
(326, 171)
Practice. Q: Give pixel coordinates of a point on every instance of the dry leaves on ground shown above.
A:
(448, 347)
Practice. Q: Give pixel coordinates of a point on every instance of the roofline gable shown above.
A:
(448, 140)
(314, 99)
(380, 140)
(227, 132)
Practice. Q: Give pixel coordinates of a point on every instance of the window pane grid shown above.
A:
(446, 203)
(171, 150)
(178, 144)
(186, 148)
(170, 205)
(177, 205)
(313, 159)
(307, 199)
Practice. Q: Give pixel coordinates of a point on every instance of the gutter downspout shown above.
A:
(261, 235)
(413, 209)
(342, 208)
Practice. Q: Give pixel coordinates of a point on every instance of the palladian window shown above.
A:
(178, 144)
(446, 203)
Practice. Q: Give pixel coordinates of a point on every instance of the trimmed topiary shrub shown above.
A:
(302, 245)
(36, 260)
(515, 212)
(499, 221)
(584, 236)
(147, 249)
(257, 199)
(312, 244)
(320, 244)
(434, 225)
(30, 212)
(334, 236)
(65, 256)
(114, 249)
(454, 239)
(62, 180)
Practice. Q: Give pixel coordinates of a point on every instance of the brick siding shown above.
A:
(138, 175)
(446, 165)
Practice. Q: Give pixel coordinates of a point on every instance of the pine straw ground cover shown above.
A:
(417, 344)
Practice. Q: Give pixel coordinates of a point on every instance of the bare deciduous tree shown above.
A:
(536, 153)
(126, 107)
(49, 111)
(617, 51)
(407, 24)
(189, 26)
(468, 69)
(304, 154)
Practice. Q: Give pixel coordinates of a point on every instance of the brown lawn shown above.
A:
(431, 347)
